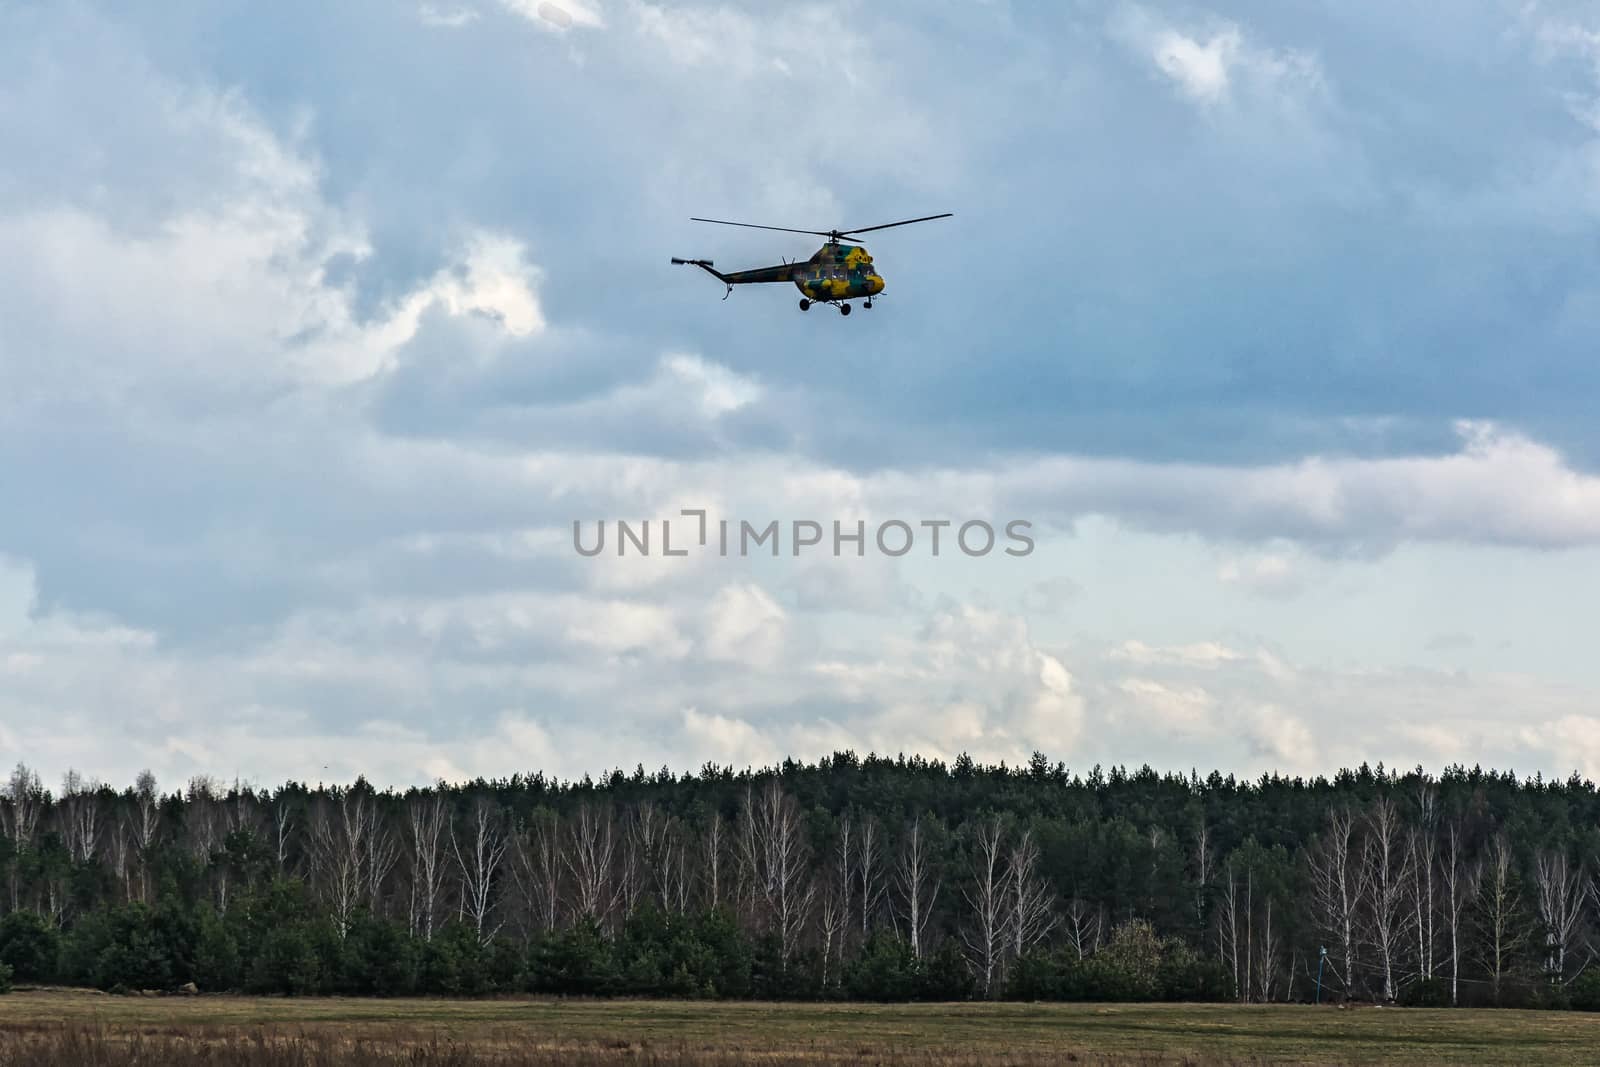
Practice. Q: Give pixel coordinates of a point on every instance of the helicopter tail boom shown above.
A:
(703, 264)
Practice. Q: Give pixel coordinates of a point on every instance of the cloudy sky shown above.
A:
(320, 324)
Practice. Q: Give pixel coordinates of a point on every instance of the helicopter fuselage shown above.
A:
(838, 272)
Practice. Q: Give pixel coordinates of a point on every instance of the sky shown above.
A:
(322, 324)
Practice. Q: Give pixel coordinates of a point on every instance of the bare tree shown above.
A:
(282, 830)
(1460, 889)
(712, 846)
(649, 854)
(590, 858)
(1386, 863)
(383, 852)
(478, 863)
(1424, 846)
(917, 884)
(79, 814)
(1030, 901)
(1561, 891)
(844, 877)
(1204, 860)
(24, 802)
(870, 865)
(1266, 961)
(1338, 882)
(986, 898)
(1084, 926)
(1500, 902)
(677, 883)
(203, 818)
(1228, 934)
(427, 817)
(536, 867)
(340, 829)
(834, 921)
(777, 859)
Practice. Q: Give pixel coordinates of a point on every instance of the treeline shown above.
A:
(863, 878)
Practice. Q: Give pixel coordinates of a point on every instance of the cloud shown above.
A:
(1267, 574)
(1203, 654)
(1285, 741)
(1208, 65)
(1200, 69)
(1185, 711)
(557, 16)
(448, 19)
(745, 625)
(728, 741)
(1569, 741)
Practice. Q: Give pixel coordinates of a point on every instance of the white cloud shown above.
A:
(1285, 741)
(1200, 69)
(1200, 654)
(1218, 63)
(1185, 710)
(558, 16)
(1270, 574)
(446, 18)
(1569, 741)
(719, 391)
(745, 625)
(728, 741)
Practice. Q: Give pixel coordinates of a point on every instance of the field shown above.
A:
(49, 1027)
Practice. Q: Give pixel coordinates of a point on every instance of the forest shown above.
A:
(859, 878)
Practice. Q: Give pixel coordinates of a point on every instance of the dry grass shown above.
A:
(53, 1027)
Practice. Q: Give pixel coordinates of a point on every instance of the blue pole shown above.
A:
(1321, 959)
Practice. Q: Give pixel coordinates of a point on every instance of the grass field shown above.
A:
(61, 1027)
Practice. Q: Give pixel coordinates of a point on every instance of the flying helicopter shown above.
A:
(836, 273)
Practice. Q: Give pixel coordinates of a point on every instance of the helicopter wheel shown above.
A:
(844, 309)
(805, 305)
(867, 304)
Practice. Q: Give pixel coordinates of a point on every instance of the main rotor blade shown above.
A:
(891, 225)
(756, 226)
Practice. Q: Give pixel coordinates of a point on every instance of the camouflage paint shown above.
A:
(834, 272)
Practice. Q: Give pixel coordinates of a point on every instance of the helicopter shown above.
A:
(835, 274)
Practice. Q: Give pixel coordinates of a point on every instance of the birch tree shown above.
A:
(478, 860)
(427, 817)
(985, 896)
(1338, 887)
(590, 859)
(1387, 862)
(1560, 894)
(917, 885)
(870, 866)
(339, 828)
(1500, 902)
(1029, 899)
(1424, 846)
(1460, 882)
(778, 860)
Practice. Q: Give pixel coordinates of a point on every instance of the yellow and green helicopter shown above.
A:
(837, 273)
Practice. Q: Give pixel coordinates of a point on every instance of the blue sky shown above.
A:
(320, 324)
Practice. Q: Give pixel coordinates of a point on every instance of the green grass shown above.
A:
(807, 1033)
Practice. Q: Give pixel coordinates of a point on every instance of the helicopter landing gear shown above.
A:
(867, 303)
(844, 309)
(805, 305)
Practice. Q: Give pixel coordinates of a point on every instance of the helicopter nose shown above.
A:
(875, 284)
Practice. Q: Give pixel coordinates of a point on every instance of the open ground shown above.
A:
(60, 1026)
